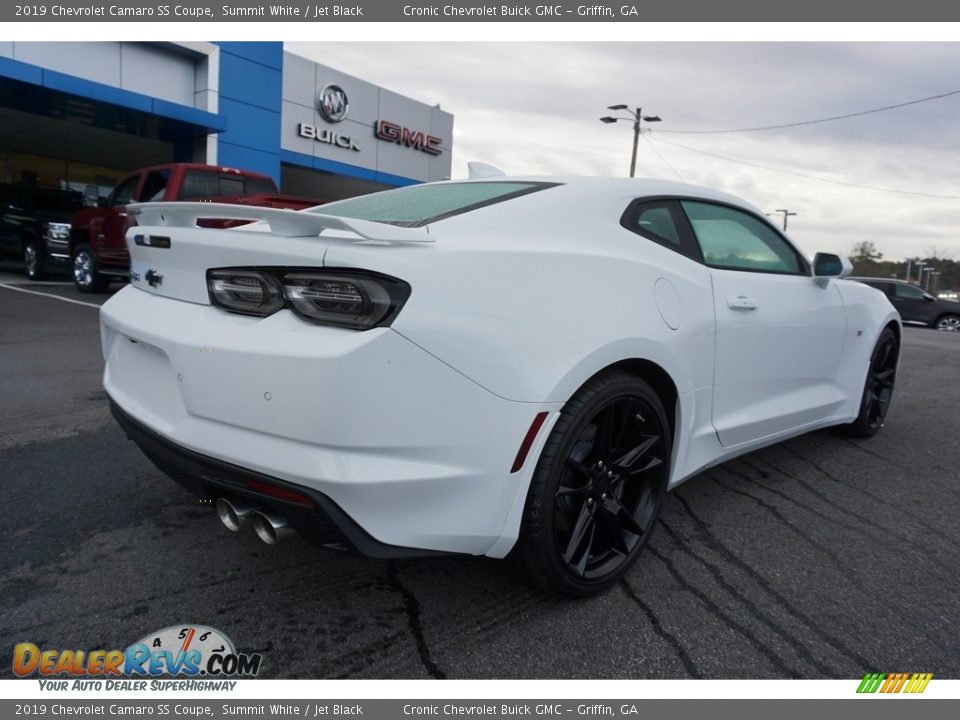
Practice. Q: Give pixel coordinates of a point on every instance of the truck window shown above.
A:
(155, 185)
(199, 184)
(123, 193)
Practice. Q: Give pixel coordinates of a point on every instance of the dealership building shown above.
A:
(80, 115)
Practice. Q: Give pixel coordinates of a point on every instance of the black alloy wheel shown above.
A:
(878, 390)
(598, 487)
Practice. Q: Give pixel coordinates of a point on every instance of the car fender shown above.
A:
(869, 311)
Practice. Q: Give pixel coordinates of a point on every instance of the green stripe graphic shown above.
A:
(871, 682)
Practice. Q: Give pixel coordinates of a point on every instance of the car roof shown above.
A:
(635, 187)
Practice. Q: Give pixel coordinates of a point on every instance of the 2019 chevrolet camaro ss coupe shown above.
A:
(489, 366)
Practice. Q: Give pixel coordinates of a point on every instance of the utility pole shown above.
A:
(786, 214)
(636, 116)
(909, 267)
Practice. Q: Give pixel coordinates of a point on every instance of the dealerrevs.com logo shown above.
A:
(181, 651)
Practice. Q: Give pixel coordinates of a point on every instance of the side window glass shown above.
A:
(730, 238)
(906, 292)
(656, 222)
(155, 186)
(662, 221)
(123, 194)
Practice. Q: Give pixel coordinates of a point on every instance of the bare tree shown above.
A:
(935, 252)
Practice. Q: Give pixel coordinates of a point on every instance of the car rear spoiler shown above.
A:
(283, 222)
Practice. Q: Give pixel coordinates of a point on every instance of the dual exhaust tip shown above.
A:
(270, 526)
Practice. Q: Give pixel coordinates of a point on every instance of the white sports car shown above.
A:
(484, 366)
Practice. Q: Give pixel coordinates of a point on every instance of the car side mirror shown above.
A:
(828, 265)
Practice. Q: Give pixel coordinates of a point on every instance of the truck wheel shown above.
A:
(33, 265)
(86, 276)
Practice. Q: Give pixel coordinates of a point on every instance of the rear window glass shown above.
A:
(198, 184)
(419, 205)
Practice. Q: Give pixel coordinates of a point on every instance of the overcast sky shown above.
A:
(534, 108)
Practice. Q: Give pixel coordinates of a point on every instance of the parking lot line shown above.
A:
(48, 295)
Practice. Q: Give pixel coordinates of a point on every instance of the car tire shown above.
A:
(597, 488)
(948, 323)
(86, 275)
(33, 263)
(878, 388)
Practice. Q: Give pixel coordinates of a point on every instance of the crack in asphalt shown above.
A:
(730, 557)
(412, 606)
(886, 532)
(724, 617)
(843, 567)
(795, 642)
(689, 665)
(898, 507)
(952, 489)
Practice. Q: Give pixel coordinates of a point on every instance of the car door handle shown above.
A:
(741, 302)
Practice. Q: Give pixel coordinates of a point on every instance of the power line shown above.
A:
(814, 122)
(809, 177)
(665, 162)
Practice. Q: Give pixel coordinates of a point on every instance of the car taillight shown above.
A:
(346, 298)
(352, 301)
(245, 291)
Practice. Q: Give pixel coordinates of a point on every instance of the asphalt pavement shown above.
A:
(822, 557)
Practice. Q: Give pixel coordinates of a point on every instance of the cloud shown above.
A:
(533, 108)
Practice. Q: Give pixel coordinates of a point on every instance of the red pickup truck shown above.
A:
(98, 248)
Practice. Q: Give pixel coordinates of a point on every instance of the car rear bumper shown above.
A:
(324, 524)
(414, 453)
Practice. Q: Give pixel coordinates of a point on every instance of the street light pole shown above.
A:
(636, 116)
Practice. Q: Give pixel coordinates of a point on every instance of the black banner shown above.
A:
(398, 11)
(483, 709)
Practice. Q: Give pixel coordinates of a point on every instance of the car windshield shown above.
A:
(419, 205)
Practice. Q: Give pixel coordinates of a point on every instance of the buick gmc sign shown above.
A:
(334, 105)
(399, 135)
(329, 137)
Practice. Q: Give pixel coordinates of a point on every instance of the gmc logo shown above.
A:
(391, 132)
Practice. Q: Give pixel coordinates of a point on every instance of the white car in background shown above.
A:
(485, 366)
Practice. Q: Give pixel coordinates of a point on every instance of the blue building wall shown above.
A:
(251, 94)
(56, 81)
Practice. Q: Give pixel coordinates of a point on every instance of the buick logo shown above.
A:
(333, 103)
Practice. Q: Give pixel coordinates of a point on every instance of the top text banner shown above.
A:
(398, 11)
